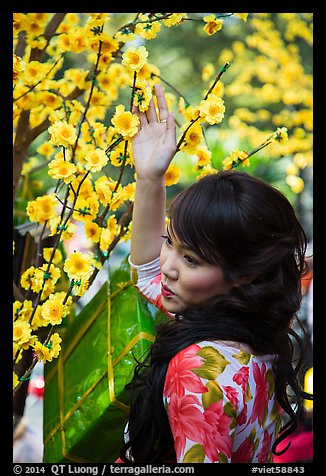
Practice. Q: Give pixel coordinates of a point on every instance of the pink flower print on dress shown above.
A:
(241, 378)
(218, 438)
(186, 421)
(243, 415)
(244, 453)
(261, 394)
(266, 447)
(232, 395)
(180, 377)
(157, 279)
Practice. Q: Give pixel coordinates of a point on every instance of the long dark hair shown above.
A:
(250, 229)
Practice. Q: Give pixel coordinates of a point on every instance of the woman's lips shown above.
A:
(166, 291)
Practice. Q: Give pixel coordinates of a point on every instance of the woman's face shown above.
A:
(187, 280)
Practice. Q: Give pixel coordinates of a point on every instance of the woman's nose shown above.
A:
(169, 267)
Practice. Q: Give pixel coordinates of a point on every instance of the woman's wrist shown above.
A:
(150, 181)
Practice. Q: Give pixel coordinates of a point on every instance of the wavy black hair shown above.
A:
(249, 228)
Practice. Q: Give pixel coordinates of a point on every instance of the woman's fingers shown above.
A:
(161, 103)
(151, 113)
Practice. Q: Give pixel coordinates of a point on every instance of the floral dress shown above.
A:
(220, 400)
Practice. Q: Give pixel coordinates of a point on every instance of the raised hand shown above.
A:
(154, 145)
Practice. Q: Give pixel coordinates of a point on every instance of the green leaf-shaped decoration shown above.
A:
(213, 395)
(214, 364)
(252, 435)
(222, 458)
(271, 381)
(248, 393)
(195, 454)
(242, 357)
(274, 413)
(229, 410)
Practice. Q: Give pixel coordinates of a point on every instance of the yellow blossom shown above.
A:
(15, 380)
(125, 122)
(106, 239)
(43, 278)
(53, 309)
(67, 231)
(212, 24)
(29, 165)
(147, 30)
(206, 170)
(21, 332)
(142, 95)
(82, 285)
(47, 352)
(78, 40)
(135, 58)
(57, 258)
(62, 169)
(280, 135)
(45, 149)
(189, 112)
(207, 71)
(34, 72)
(26, 277)
(172, 175)
(86, 208)
(43, 352)
(204, 156)
(118, 156)
(18, 67)
(174, 19)
(62, 133)
(193, 137)
(112, 225)
(104, 188)
(212, 109)
(96, 160)
(129, 191)
(235, 158)
(124, 35)
(38, 320)
(242, 16)
(42, 209)
(22, 311)
(55, 345)
(295, 183)
(92, 231)
(78, 265)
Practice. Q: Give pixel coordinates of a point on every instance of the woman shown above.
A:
(227, 270)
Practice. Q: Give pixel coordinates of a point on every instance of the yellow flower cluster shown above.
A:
(88, 130)
(235, 158)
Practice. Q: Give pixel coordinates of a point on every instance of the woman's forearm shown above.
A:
(148, 221)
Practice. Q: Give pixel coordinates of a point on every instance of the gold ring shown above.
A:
(164, 120)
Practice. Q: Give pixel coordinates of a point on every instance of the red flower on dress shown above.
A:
(157, 279)
(232, 395)
(218, 437)
(244, 453)
(243, 415)
(186, 421)
(241, 378)
(266, 447)
(180, 377)
(261, 394)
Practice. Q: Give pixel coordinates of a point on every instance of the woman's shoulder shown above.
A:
(237, 353)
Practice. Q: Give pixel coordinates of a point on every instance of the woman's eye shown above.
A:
(190, 260)
(167, 240)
